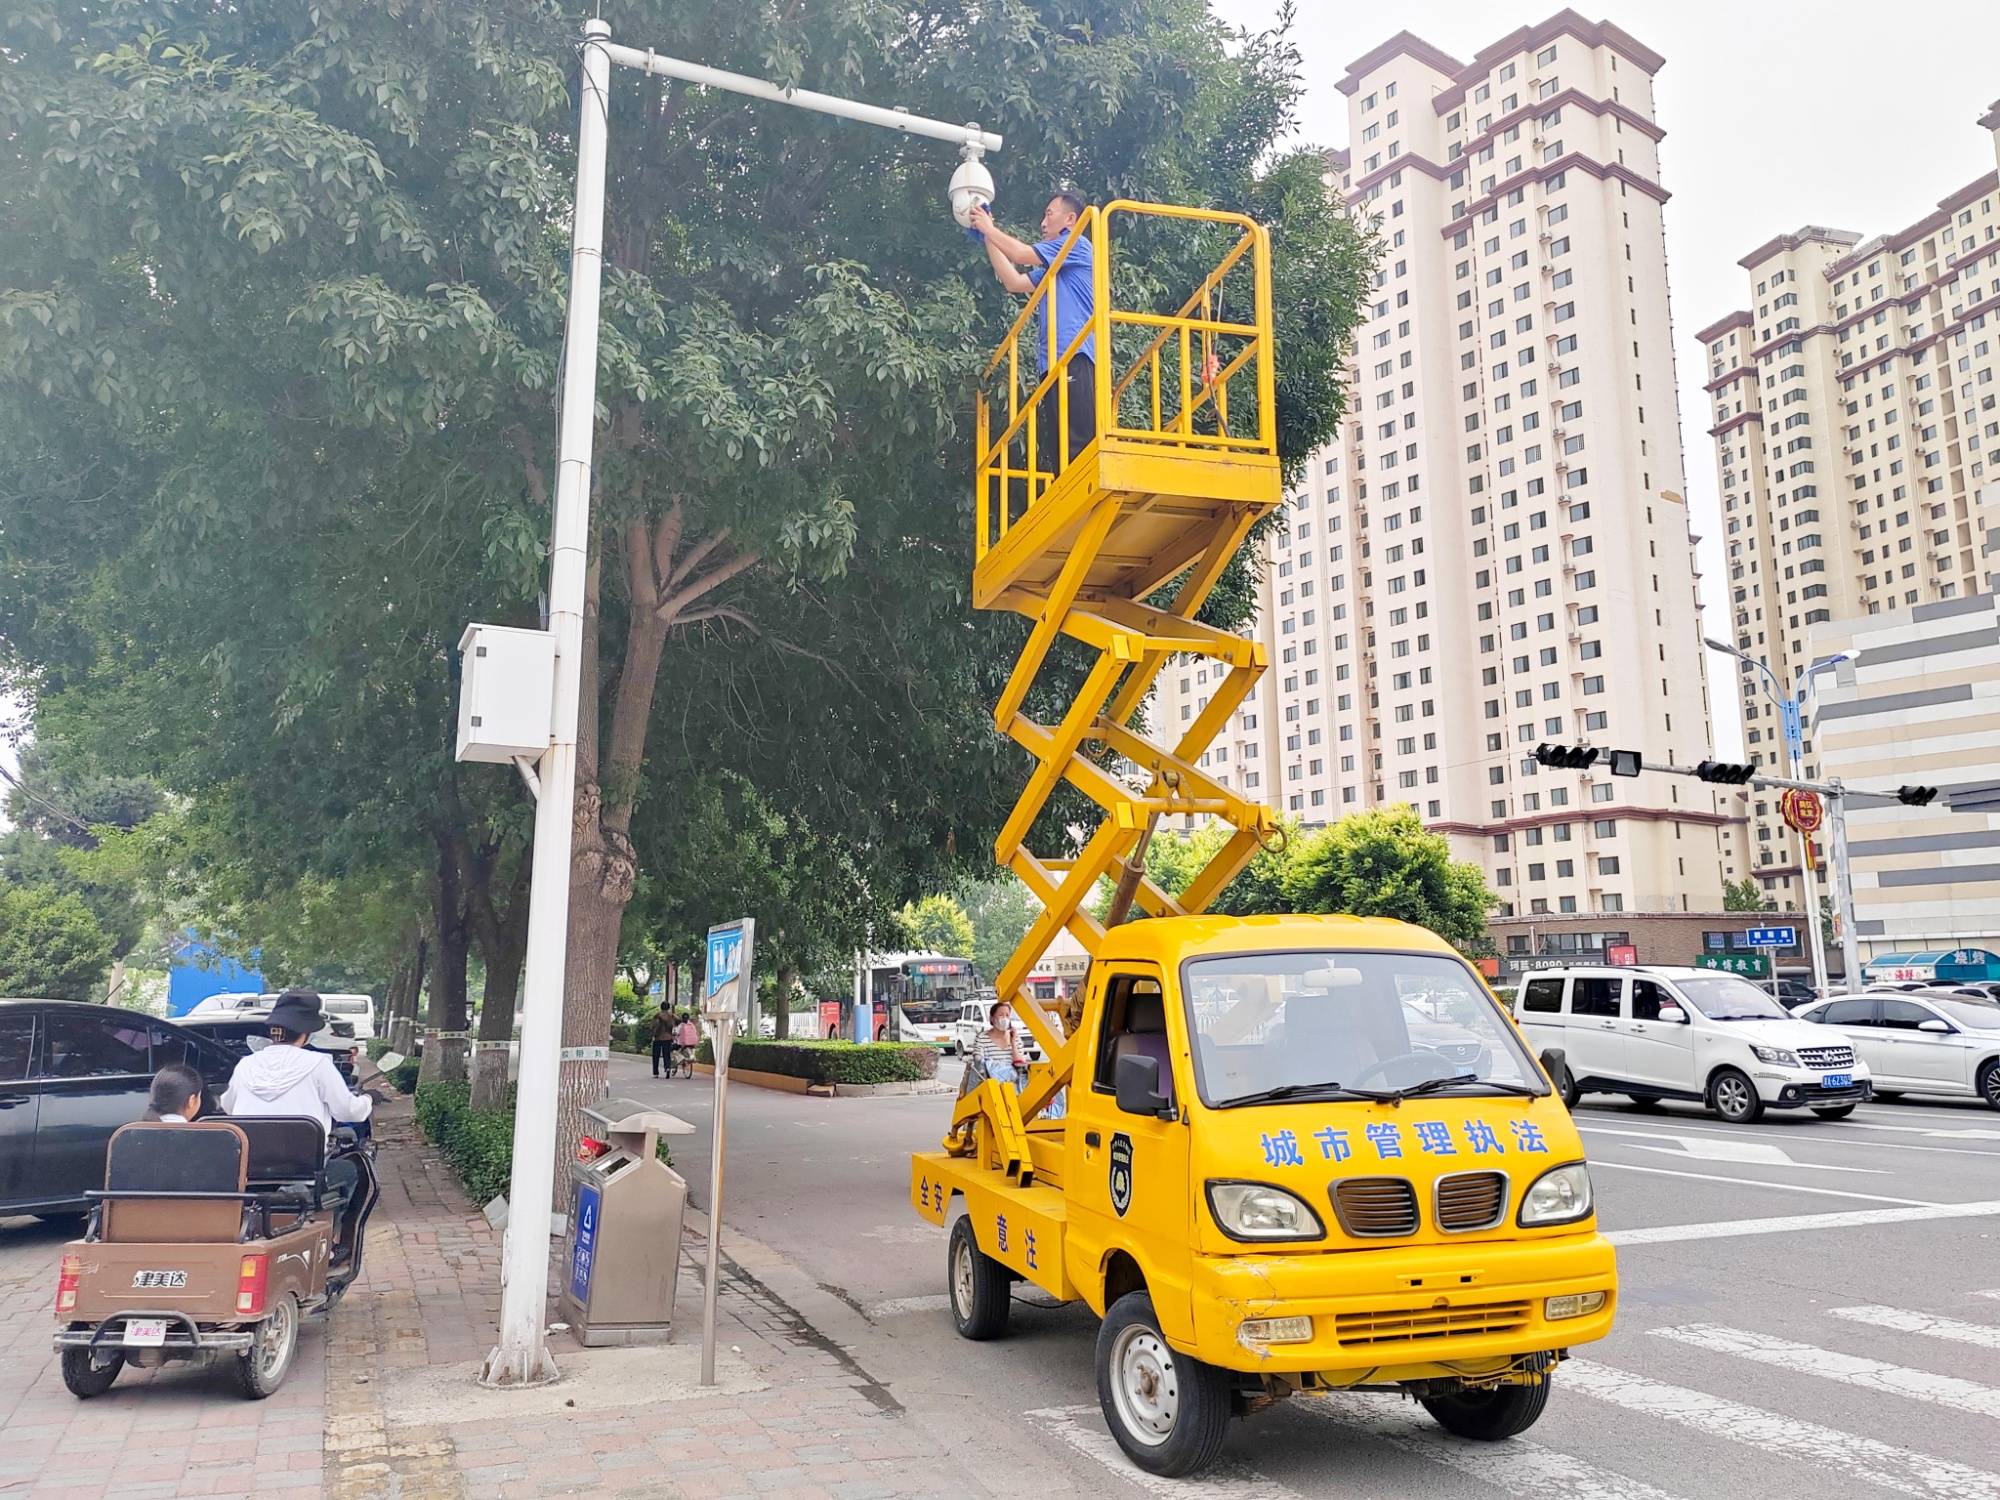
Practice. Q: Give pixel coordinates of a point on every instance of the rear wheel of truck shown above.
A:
(263, 1367)
(90, 1372)
(1168, 1411)
(981, 1287)
(1491, 1415)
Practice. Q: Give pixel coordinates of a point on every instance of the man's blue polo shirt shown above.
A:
(1075, 297)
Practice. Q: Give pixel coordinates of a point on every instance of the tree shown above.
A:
(1000, 911)
(1384, 863)
(937, 924)
(50, 945)
(288, 284)
(1742, 895)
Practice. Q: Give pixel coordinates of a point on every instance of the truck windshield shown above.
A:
(1318, 1023)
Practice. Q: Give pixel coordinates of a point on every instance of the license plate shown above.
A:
(144, 1333)
(167, 1279)
(1838, 1081)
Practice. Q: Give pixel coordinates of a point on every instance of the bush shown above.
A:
(479, 1144)
(404, 1074)
(833, 1062)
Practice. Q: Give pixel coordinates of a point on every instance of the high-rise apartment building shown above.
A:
(1495, 552)
(1856, 407)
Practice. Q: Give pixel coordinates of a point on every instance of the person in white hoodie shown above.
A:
(289, 1078)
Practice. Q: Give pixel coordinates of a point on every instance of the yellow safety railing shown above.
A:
(1173, 394)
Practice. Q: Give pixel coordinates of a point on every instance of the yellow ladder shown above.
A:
(1167, 489)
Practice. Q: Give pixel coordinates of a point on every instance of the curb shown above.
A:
(785, 1083)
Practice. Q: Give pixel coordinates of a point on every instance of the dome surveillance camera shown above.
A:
(971, 187)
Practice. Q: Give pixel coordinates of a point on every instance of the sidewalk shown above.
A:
(383, 1400)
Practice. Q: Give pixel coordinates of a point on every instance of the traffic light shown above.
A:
(1626, 763)
(1916, 796)
(1724, 772)
(1567, 757)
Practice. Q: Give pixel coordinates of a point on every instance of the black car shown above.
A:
(70, 1074)
(241, 1037)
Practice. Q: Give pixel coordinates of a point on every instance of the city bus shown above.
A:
(923, 991)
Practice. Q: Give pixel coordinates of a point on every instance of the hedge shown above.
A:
(479, 1144)
(833, 1062)
(404, 1074)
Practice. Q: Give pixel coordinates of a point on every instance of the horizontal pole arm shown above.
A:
(826, 104)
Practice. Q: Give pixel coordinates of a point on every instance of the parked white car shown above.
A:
(1920, 1044)
(1673, 1033)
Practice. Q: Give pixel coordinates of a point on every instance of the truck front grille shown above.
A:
(1471, 1200)
(1375, 1207)
(1407, 1324)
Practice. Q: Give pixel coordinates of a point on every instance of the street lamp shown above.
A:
(521, 1356)
(1791, 712)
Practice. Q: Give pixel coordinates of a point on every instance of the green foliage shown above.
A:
(479, 1144)
(1744, 895)
(1384, 863)
(404, 1075)
(937, 924)
(1000, 911)
(832, 1062)
(50, 944)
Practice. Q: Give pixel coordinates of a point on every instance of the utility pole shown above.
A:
(521, 1356)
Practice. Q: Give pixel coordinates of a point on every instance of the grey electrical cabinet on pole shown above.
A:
(624, 1245)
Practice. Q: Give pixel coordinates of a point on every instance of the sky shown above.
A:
(1777, 115)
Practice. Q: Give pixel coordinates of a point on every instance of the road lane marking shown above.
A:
(1860, 1218)
(1969, 1133)
(1829, 1143)
(1868, 1374)
(1994, 1294)
(1904, 1321)
(1744, 1153)
(1081, 1428)
(1843, 1453)
(1518, 1466)
(1777, 1187)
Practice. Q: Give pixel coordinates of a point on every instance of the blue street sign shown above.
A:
(1771, 937)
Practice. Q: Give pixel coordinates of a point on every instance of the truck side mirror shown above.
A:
(1553, 1059)
(1137, 1080)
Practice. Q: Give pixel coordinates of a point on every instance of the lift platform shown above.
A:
(1117, 545)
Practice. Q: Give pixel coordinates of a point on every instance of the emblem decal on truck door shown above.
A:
(1121, 1172)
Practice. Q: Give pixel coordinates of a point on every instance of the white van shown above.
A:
(357, 1010)
(1672, 1033)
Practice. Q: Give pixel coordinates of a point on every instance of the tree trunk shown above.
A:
(788, 975)
(444, 1029)
(503, 941)
(404, 988)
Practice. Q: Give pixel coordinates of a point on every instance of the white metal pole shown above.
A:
(522, 1357)
(1843, 886)
(721, 1033)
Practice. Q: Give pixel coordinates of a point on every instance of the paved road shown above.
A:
(1808, 1307)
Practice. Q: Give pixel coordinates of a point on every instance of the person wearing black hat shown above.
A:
(288, 1077)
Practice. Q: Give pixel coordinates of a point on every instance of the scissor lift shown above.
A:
(1184, 462)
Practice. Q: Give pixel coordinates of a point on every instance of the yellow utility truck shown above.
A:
(1277, 1155)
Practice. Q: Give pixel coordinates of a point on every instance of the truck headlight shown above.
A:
(1257, 1211)
(1782, 1057)
(1560, 1195)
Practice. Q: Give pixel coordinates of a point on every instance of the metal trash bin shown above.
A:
(624, 1240)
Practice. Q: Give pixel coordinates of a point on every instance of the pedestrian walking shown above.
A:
(663, 1038)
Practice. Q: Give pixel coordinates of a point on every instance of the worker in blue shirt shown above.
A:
(1020, 267)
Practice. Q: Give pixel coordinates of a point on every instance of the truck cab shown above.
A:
(1300, 1154)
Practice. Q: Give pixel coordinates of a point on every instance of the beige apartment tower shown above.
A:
(1856, 410)
(1495, 552)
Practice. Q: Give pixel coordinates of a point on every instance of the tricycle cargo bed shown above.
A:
(1021, 1227)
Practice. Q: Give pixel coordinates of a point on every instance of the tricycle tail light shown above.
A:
(66, 1279)
(252, 1283)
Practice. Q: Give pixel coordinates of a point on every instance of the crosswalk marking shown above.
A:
(1904, 1321)
(1776, 1187)
(1869, 1374)
(1081, 1428)
(1518, 1466)
(1841, 1452)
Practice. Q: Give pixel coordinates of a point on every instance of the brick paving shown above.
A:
(382, 1401)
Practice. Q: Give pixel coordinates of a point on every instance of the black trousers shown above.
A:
(662, 1053)
(1082, 378)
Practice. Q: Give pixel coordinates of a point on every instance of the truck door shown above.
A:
(1126, 1178)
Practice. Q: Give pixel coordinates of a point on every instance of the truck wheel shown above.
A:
(262, 1369)
(88, 1374)
(1734, 1097)
(1167, 1410)
(1491, 1415)
(981, 1287)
